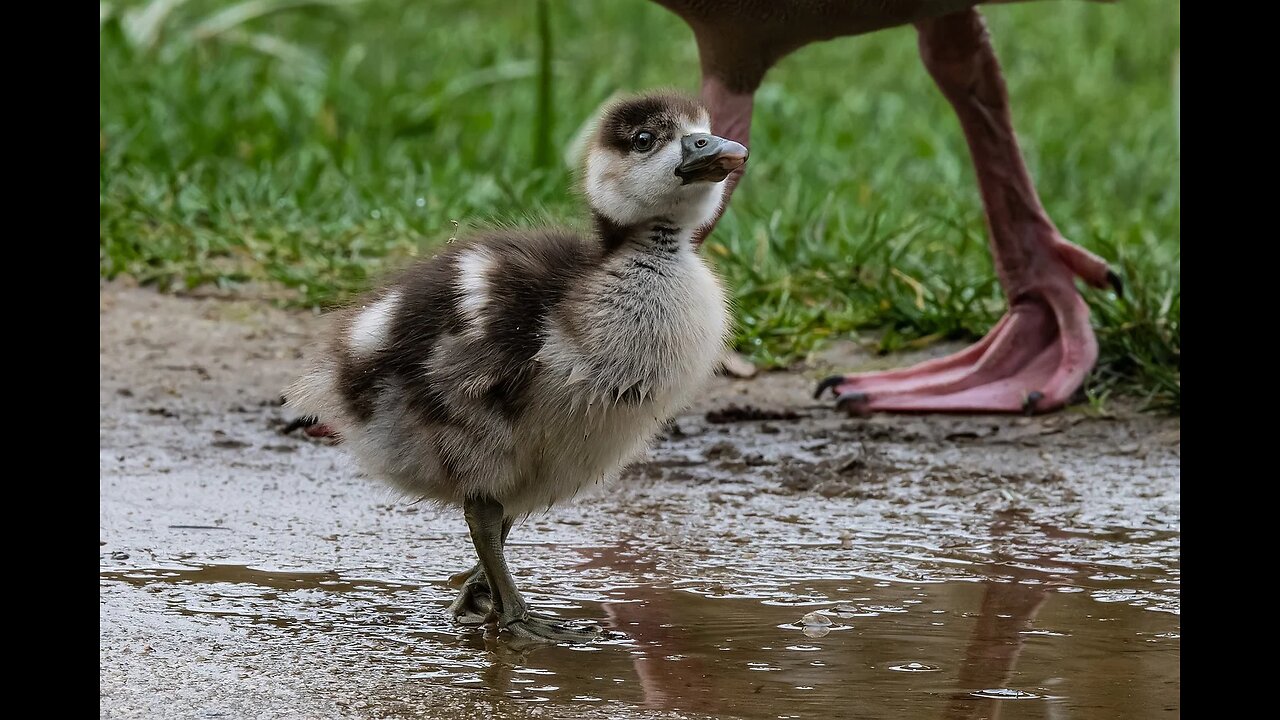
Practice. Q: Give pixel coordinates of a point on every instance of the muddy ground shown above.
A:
(811, 565)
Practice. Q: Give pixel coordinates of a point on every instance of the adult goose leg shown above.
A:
(1037, 355)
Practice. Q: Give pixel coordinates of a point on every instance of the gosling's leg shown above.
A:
(474, 601)
(509, 609)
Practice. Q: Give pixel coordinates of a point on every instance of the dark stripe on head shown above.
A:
(659, 113)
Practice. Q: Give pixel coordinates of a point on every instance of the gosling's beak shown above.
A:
(706, 157)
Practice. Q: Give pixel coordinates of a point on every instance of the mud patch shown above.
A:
(748, 413)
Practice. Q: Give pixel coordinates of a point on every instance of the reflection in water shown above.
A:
(1009, 605)
(1008, 609)
(672, 672)
(973, 647)
(681, 663)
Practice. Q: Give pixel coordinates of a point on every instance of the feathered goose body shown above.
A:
(520, 365)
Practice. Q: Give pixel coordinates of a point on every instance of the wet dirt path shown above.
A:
(820, 566)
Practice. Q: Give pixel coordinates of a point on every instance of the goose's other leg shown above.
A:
(509, 609)
(730, 118)
(1038, 354)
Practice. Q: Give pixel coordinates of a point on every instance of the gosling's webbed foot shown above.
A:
(460, 579)
(534, 626)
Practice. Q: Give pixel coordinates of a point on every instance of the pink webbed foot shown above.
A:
(1033, 360)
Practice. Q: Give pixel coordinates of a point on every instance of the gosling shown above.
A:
(517, 367)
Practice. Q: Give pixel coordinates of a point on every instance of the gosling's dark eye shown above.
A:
(642, 142)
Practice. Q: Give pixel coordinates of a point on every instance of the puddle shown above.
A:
(945, 649)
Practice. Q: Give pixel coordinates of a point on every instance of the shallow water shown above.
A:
(1009, 625)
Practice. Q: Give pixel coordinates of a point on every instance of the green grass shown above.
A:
(313, 144)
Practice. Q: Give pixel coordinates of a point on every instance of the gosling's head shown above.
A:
(653, 155)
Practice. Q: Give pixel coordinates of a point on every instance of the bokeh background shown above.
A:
(296, 149)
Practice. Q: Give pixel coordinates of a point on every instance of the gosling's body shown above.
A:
(515, 368)
(521, 365)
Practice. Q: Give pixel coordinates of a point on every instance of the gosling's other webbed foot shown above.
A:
(474, 604)
(460, 579)
(310, 426)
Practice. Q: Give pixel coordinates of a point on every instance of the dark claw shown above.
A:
(826, 383)
(850, 400)
(1029, 405)
(1116, 283)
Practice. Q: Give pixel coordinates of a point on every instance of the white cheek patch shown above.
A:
(473, 283)
(601, 188)
(369, 331)
(632, 188)
(656, 177)
(703, 207)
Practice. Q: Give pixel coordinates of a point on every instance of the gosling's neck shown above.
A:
(660, 235)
